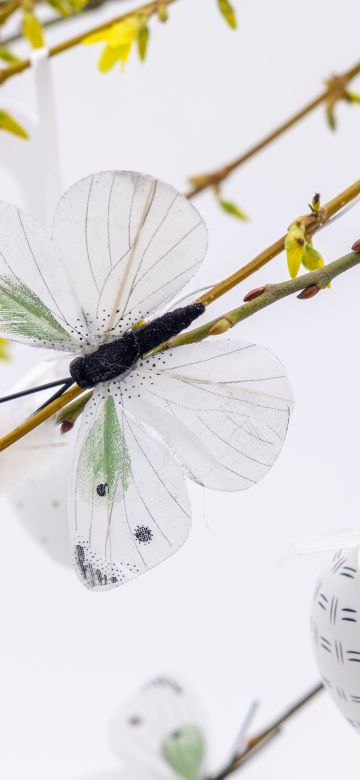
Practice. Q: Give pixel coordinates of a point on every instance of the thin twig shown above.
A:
(270, 294)
(40, 417)
(147, 10)
(312, 222)
(255, 744)
(267, 295)
(336, 86)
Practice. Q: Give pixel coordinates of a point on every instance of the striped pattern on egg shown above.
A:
(335, 623)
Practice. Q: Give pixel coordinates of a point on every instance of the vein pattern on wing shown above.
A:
(131, 506)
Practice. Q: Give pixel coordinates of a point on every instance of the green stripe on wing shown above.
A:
(104, 463)
(22, 313)
(184, 749)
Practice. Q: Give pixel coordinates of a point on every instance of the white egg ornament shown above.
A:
(335, 622)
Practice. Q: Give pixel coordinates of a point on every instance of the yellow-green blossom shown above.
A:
(119, 40)
(295, 248)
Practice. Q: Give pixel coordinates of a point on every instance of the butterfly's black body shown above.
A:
(117, 357)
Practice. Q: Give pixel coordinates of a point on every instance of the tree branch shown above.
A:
(147, 10)
(335, 89)
(39, 417)
(263, 297)
(312, 222)
(270, 294)
(256, 743)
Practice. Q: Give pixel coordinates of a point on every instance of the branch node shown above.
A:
(221, 326)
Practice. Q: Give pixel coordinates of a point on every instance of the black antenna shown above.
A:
(66, 382)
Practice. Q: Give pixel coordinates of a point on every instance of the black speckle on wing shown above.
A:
(96, 572)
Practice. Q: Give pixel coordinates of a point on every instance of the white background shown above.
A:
(230, 611)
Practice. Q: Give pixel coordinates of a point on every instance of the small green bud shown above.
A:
(163, 13)
(315, 203)
(8, 123)
(231, 208)
(143, 41)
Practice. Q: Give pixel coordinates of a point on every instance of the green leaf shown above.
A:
(184, 750)
(7, 56)
(32, 30)
(228, 12)
(330, 114)
(353, 97)
(143, 41)
(61, 6)
(8, 123)
(233, 209)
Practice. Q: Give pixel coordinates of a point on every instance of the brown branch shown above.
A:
(265, 296)
(258, 742)
(39, 417)
(335, 90)
(312, 223)
(147, 10)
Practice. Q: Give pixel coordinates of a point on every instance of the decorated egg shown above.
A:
(335, 622)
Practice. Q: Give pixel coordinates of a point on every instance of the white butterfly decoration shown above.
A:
(161, 735)
(122, 246)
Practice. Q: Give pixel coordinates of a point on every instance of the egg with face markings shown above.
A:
(335, 623)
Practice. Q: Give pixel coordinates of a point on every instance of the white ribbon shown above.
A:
(340, 540)
(48, 144)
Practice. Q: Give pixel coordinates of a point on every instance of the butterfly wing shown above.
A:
(129, 504)
(130, 243)
(161, 732)
(37, 305)
(229, 402)
(123, 244)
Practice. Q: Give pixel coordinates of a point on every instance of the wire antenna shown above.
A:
(68, 382)
(37, 389)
